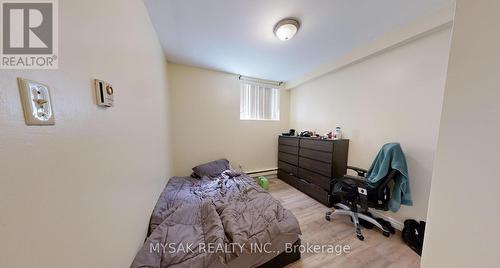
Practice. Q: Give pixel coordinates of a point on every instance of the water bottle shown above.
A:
(337, 135)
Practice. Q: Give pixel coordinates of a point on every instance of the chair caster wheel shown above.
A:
(328, 213)
(360, 237)
(386, 234)
(328, 218)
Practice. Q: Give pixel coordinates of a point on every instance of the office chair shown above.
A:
(353, 195)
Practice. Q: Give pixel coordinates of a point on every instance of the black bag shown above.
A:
(413, 235)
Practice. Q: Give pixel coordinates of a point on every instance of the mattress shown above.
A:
(231, 209)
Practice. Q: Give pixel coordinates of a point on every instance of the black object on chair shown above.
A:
(353, 195)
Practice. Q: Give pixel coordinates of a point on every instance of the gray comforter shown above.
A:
(208, 221)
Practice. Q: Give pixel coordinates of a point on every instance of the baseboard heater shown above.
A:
(261, 171)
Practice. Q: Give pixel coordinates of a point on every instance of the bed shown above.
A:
(225, 220)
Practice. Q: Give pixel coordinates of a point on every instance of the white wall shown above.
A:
(463, 218)
(80, 193)
(207, 126)
(394, 96)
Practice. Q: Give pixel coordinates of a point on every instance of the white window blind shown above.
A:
(259, 102)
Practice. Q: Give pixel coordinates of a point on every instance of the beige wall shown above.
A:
(394, 96)
(80, 193)
(206, 122)
(463, 218)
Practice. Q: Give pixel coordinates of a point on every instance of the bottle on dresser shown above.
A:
(337, 134)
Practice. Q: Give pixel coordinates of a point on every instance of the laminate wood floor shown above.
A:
(375, 251)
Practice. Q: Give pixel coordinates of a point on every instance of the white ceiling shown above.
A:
(236, 36)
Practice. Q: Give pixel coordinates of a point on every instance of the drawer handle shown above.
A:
(304, 181)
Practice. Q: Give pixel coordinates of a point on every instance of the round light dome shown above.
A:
(286, 29)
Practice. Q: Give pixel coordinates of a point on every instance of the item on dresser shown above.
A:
(291, 132)
(310, 164)
(337, 135)
(306, 133)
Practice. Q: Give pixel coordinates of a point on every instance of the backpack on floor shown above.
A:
(413, 235)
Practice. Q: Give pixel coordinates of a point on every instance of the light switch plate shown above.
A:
(37, 105)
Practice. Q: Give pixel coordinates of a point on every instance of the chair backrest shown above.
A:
(387, 179)
(380, 194)
(389, 156)
(389, 163)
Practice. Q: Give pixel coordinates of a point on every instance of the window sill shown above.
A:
(274, 120)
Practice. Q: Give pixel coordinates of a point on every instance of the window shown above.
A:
(259, 102)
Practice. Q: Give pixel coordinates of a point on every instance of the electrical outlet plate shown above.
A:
(37, 105)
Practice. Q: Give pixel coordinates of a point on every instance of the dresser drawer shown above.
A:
(305, 187)
(291, 141)
(288, 149)
(315, 178)
(316, 166)
(316, 155)
(289, 158)
(289, 179)
(316, 144)
(291, 169)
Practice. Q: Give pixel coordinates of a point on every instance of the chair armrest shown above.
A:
(361, 171)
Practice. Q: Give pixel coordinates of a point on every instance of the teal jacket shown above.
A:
(391, 157)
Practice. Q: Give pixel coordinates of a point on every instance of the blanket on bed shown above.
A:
(198, 222)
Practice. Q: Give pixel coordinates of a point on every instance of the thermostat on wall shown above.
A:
(104, 93)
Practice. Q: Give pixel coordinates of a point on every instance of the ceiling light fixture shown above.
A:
(285, 29)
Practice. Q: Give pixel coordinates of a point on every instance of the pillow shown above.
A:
(212, 169)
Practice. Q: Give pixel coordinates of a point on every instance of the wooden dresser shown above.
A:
(310, 164)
